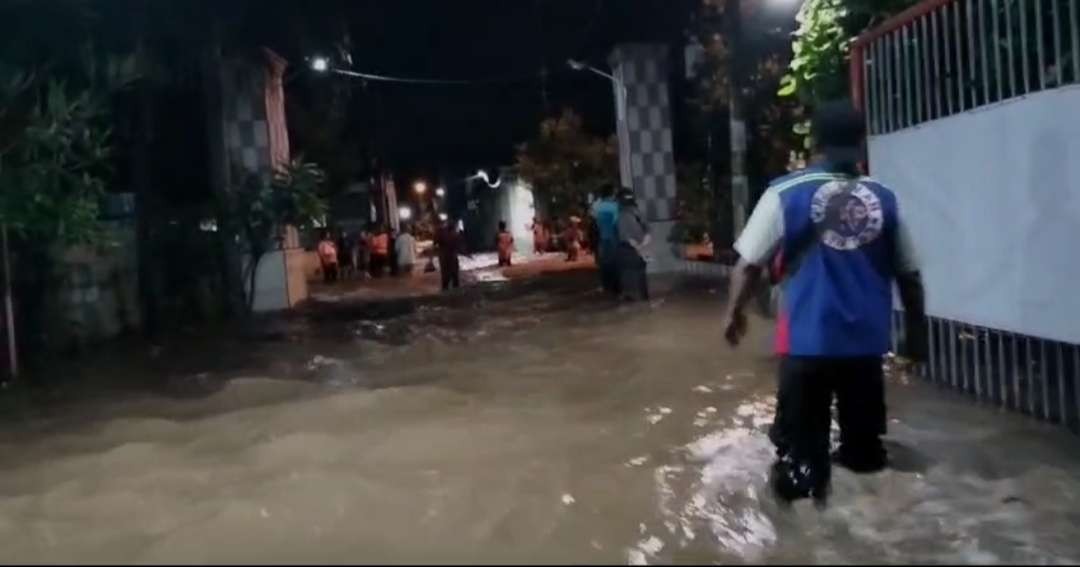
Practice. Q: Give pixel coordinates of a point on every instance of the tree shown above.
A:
(257, 212)
(739, 42)
(565, 164)
(819, 67)
(51, 168)
(55, 147)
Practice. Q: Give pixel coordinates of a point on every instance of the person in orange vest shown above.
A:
(328, 257)
(572, 238)
(540, 236)
(504, 242)
(380, 252)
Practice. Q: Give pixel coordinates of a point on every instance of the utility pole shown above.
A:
(146, 206)
(740, 190)
(220, 178)
(9, 306)
(544, 89)
(543, 59)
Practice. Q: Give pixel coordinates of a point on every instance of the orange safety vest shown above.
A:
(380, 244)
(327, 252)
(505, 243)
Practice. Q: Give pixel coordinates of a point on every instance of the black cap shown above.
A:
(839, 130)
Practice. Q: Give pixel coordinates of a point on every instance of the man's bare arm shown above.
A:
(913, 297)
(744, 280)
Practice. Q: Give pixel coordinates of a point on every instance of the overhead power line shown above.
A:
(429, 81)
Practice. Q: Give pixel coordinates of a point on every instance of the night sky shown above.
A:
(428, 128)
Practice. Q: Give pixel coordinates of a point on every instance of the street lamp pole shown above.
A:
(620, 87)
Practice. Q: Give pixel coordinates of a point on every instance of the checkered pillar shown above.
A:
(253, 120)
(247, 130)
(646, 156)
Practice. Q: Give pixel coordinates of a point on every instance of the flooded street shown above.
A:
(542, 424)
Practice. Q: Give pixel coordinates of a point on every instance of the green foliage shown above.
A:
(817, 70)
(53, 167)
(819, 67)
(55, 140)
(257, 211)
(564, 164)
(56, 88)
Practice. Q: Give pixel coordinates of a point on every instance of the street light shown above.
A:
(404, 213)
(582, 66)
(440, 192)
(320, 64)
(420, 187)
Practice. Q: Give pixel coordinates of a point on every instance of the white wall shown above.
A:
(522, 211)
(993, 199)
(270, 282)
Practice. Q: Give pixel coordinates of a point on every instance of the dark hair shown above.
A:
(607, 190)
(502, 225)
(839, 131)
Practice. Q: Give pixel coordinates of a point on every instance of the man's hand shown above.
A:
(744, 278)
(735, 325)
(915, 345)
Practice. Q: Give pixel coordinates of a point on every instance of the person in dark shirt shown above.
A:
(605, 212)
(449, 244)
(634, 242)
(345, 257)
(392, 252)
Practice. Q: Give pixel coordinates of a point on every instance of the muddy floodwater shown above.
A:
(544, 425)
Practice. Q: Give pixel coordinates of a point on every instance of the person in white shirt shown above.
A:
(405, 248)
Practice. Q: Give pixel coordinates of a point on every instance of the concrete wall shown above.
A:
(98, 295)
(517, 207)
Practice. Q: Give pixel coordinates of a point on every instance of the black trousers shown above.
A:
(608, 263)
(330, 273)
(632, 273)
(804, 399)
(450, 270)
(378, 265)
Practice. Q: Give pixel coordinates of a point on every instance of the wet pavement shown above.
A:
(524, 423)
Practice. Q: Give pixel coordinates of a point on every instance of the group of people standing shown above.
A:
(622, 242)
(366, 253)
(618, 237)
(569, 234)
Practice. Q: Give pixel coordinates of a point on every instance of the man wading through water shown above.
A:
(605, 211)
(843, 244)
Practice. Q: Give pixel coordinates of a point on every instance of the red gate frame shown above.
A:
(858, 47)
